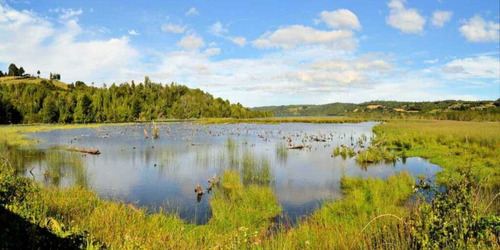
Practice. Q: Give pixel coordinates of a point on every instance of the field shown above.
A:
(372, 214)
(8, 80)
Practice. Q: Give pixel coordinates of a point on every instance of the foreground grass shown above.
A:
(339, 225)
(281, 120)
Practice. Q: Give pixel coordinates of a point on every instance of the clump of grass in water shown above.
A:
(344, 152)
(255, 170)
(281, 151)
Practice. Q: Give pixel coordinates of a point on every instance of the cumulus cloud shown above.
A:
(191, 42)
(241, 41)
(341, 19)
(38, 44)
(172, 28)
(291, 36)
(217, 29)
(133, 33)
(486, 67)
(406, 20)
(192, 11)
(440, 18)
(212, 51)
(476, 29)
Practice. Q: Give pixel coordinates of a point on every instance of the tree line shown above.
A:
(126, 102)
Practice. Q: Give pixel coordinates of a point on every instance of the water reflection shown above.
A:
(164, 172)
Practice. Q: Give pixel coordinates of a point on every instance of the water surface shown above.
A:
(164, 171)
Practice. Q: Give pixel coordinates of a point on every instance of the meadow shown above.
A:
(462, 211)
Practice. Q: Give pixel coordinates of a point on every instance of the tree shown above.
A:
(82, 111)
(38, 73)
(1, 73)
(20, 72)
(50, 112)
(13, 70)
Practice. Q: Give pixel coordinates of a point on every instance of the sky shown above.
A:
(265, 52)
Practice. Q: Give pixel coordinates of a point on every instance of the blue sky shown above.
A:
(265, 52)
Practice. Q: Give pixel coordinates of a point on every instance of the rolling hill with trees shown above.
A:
(443, 110)
(29, 99)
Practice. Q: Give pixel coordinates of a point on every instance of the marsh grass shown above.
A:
(281, 120)
(450, 144)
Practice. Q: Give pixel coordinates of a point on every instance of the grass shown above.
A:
(282, 120)
(339, 225)
(33, 80)
(450, 144)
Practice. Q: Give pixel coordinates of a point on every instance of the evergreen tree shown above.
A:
(20, 72)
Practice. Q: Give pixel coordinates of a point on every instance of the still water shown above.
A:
(164, 172)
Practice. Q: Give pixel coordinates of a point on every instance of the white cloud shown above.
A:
(70, 13)
(191, 42)
(172, 28)
(294, 35)
(212, 51)
(192, 11)
(217, 29)
(334, 65)
(432, 61)
(473, 67)
(440, 18)
(476, 29)
(36, 43)
(241, 41)
(406, 20)
(341, 19)
(133, 33)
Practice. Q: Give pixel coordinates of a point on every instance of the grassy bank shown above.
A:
(449, 144)
(16, 135)
(282, 120)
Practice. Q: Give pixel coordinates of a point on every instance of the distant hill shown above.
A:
(447, 109)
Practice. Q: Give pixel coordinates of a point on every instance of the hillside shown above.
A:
(448, 109)
(29, 80)
(38, 100)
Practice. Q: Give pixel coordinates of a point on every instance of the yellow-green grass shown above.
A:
(281, 120)
(450, 144)
(241, 217)
(31, 80)
(346, 224)
(16, 135)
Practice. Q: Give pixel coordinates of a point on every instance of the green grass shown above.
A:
(17, 80)
(16, 135)
(339, 225)
(282, 120)
(450, 144)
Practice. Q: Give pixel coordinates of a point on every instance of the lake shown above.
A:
(164, 172)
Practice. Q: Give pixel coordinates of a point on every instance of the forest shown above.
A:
(46, 102)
